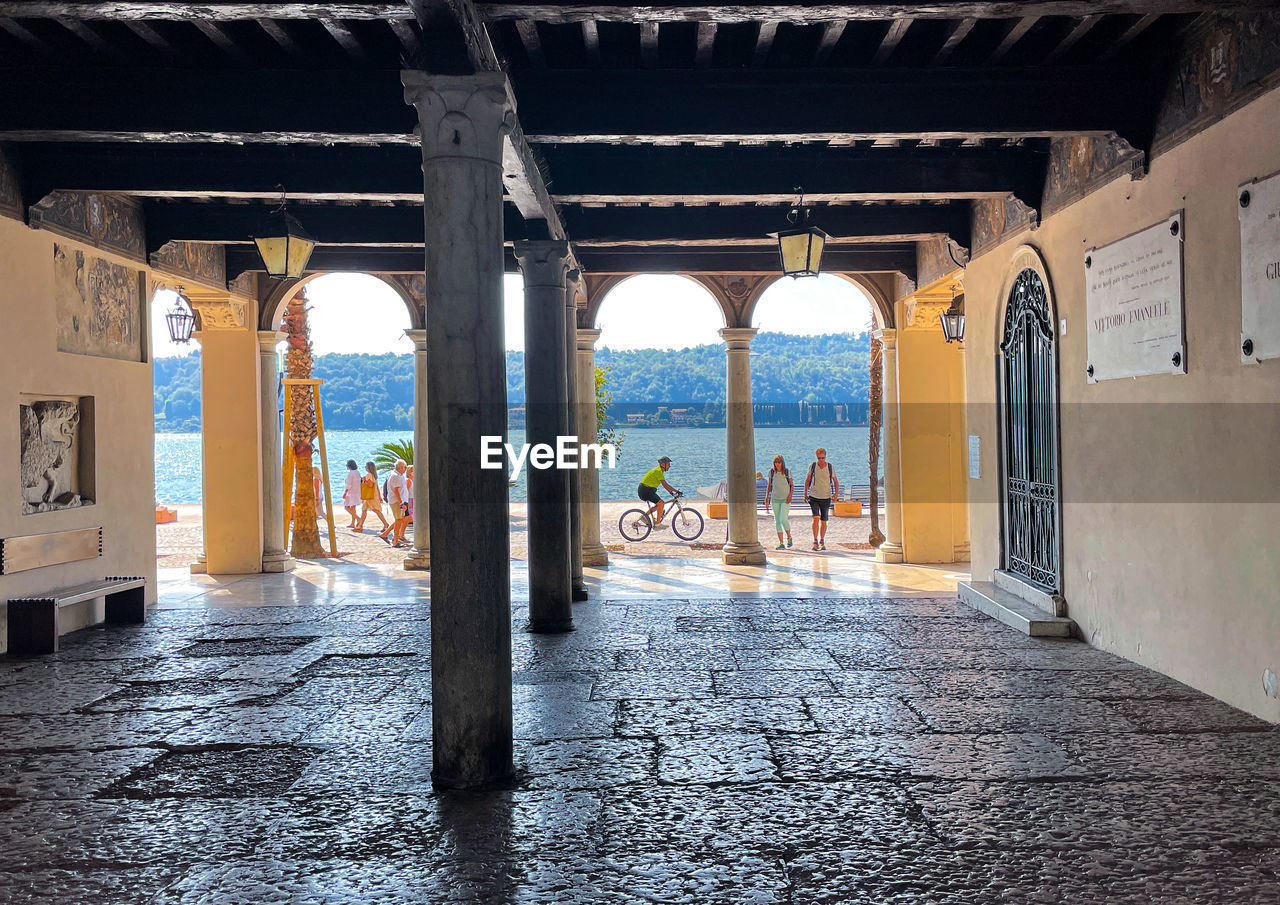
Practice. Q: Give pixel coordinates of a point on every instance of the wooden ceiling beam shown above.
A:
(144, 31)
(527, 29)
(831, 34)
(1128, 35)
(649, 45)
(278, 32)
(30, 38)
(811, 13)
(1014, 32)
(800, 12)
(764, 43)
(591, 42)
(955, 35)
(1082, 27)
(95, 41)
(346, 39)
(213, 31)
(407, 35)
(892, 38)
(706, 45)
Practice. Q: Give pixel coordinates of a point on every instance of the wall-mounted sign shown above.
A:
(975, 456)
(1133, 302)
(1259, 206)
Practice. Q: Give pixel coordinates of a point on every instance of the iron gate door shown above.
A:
(1029, 415)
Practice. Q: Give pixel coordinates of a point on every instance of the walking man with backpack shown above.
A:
(820, 488)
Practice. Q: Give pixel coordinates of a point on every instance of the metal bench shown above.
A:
(33, 621)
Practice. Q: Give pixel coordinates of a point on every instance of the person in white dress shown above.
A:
(351, 492)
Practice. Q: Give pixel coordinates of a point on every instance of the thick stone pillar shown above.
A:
(462, 121)
(891, 549)
(545, 265)
(593, 552)
(231, 427)
(574, 476)
(274, 556)
(420, 557)
(744, 541)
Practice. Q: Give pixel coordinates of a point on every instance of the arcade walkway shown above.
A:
(267, 741)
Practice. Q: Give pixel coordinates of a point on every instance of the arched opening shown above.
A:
(176, 409)
(663, 363)
(1030, 471)
(810, 382)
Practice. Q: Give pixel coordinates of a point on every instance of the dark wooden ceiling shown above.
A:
(654, 138)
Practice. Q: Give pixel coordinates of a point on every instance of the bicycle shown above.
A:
(686, 522)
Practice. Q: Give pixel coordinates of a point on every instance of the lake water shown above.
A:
(697, 454)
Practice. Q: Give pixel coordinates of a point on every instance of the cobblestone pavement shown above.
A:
(708, 751)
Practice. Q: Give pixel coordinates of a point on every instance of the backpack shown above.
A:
(367, 487)
(831, 471)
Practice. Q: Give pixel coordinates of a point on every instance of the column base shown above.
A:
(890, 553)
(594, 555)
(550, 626)
(278, 561)
(418, 561)
(580, 594)
(735, 554)
(200, 566)
(961, 553)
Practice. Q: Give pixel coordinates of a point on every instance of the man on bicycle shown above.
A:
(649, 485)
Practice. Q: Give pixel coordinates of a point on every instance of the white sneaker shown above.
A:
(660, 527)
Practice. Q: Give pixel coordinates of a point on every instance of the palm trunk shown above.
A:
(302, 431)
(874, 394)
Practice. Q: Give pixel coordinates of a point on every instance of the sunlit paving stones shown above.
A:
(695, 749)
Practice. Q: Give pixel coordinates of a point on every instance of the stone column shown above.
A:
(574, 476)
(544, 265)
(231, 445)
(744, 541)
(462, 121)
(274, 556)
(891, 549)
(593, 552)
(420, 557)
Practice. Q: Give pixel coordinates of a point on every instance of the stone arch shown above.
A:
(601, 290)
(406, 286)
(881, 307)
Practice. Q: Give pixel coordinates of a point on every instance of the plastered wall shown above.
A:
(31, 363)
(1171, 515)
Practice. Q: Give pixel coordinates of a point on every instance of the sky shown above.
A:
(355, 313)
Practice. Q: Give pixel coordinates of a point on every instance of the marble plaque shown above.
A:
(1259, 206)
(1133, 304)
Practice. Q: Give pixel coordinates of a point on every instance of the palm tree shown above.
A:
(385, 456)
(299, 361)
(873, 396)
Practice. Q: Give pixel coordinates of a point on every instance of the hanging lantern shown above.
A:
(953, 320)
(284, 246)
(180, 321)
(800, 249)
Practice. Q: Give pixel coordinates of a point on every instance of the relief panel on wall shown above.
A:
(56, 453)
(1133, 304)
(1259, 206)
(99, 305)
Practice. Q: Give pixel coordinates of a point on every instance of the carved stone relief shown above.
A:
(99, 305)
(49, 432)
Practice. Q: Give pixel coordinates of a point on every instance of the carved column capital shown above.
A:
(543, 262)
(462, 116)
(738, 339)
(888, 338)
(587, 339)
(269, 339)
(419, 339)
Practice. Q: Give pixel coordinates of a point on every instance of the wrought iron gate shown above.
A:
(1029, 415)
